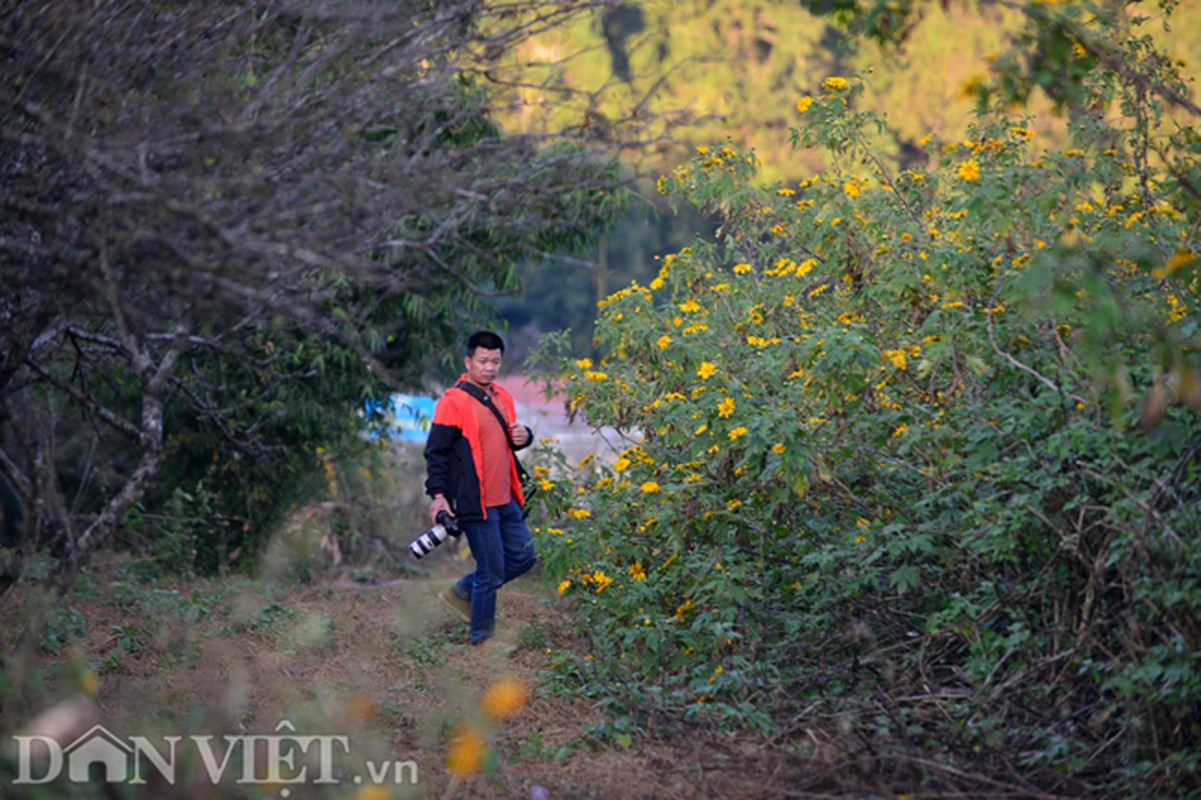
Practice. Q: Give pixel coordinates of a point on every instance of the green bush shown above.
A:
(914, 450)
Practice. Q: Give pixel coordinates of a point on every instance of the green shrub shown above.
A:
(914, 449)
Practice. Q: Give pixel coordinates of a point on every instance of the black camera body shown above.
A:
(425, 543)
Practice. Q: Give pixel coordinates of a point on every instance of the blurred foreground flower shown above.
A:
(504, 698)
(467, 751)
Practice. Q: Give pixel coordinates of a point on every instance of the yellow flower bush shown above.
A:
(972, 364)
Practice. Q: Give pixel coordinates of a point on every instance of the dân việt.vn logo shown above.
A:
(281, 759)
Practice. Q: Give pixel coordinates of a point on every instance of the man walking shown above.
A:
(471, 472)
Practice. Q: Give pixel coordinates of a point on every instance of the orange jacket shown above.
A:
(454, 467)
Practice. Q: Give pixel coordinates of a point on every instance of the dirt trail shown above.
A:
(383, 664)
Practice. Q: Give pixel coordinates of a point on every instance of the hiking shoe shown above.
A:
(450, 598)
(496, 647)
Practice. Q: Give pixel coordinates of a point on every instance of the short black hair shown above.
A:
(485, 339)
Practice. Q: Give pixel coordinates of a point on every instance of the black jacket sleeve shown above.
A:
(438, 450)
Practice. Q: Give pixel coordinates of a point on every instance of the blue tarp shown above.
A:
(406, 417)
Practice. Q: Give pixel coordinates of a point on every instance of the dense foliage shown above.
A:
(913, 449)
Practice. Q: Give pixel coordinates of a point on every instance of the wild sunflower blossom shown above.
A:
(804, 104)
(726, 407)
(467, 751)
(969, 170)
(895, 357)
(706, 369)
(601, 581)
(835, 83)
(504, 698)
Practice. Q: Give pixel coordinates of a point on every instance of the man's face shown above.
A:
(483, 366)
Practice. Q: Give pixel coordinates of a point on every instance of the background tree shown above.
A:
(224, 224)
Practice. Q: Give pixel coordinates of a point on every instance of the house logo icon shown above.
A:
(98, 746)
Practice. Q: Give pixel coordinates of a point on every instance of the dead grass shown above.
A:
(384, 665)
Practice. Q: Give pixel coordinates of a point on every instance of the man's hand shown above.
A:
(520, 434)
(439, 504)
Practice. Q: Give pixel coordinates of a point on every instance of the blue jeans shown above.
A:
(503, 549)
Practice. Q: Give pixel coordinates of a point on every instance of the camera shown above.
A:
(426, 542)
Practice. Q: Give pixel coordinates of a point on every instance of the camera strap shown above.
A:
(483, 397)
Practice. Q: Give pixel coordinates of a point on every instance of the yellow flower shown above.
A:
(564, 586)
(777, 448)
(545, 485)
(742, 269)
(726, 407)
(1181, 258)
(594, 376)
(706, 369)
(601, 580)
(969, 170)
(900, 429)
(374, 792)
(579, 513)
(804, 104)
(584, 363)
(690, 306)
(467, 751)
(504, 698)
(651, 487)
(834, 84)
(664, 342)
(853, 188)
(701, 430)
(897, 357)
(733, 505)
(637, 572)
(684, 608)
(737, 432)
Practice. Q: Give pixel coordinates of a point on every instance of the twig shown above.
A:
(1043, 379)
